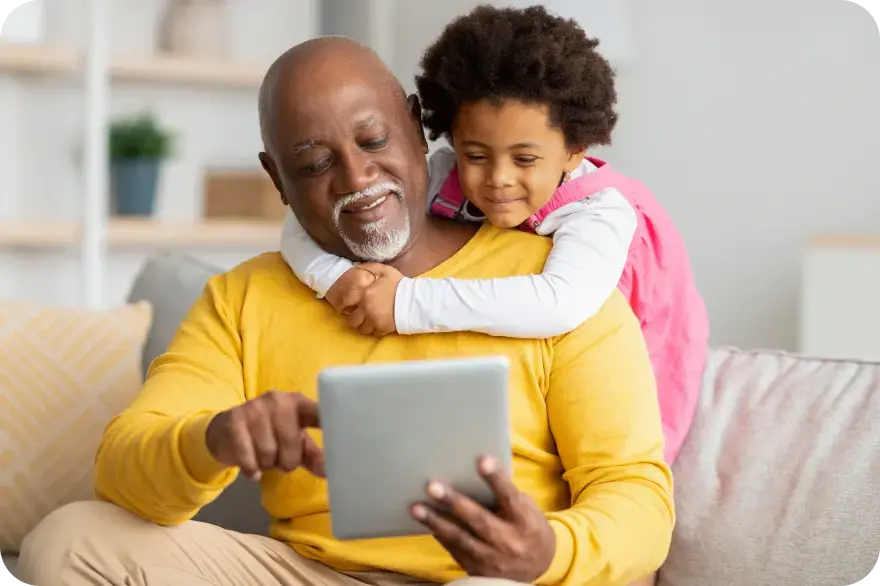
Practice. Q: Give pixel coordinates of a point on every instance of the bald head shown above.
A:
(321, 61)
(339, 135)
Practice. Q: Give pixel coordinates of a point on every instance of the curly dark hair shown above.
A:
(522, 54)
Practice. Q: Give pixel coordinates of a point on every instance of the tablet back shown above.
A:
(388, 429)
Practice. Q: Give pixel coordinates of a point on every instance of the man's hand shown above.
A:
(516, 543)
(267, 433)
(348, 289)
(374, 314)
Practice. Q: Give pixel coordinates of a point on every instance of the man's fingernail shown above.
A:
(420, 513)
(436, 490)
(488, 465)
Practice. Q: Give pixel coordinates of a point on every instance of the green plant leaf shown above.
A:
(139, 137)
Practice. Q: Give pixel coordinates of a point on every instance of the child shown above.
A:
(521, 95)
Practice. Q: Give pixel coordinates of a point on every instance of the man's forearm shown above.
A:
(618, 531)
(158, 466)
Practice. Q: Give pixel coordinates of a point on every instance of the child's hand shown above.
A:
(374, 314)
(348, 289)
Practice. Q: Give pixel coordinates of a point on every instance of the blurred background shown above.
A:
(755, 122)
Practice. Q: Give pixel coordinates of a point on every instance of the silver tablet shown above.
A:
(389, 429)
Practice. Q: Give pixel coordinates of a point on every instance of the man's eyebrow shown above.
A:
(366, 122)
(303, 146)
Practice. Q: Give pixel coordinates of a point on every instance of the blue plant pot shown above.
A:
(134, 184)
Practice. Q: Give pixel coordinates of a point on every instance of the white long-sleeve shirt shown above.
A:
(591, 240)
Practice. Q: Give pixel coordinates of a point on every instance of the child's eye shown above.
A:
(526, 160)
(474, 157)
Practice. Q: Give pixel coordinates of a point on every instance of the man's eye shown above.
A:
(375, 145)
(316, 168)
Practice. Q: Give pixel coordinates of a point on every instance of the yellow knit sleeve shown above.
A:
(152, 459)
(605, 418)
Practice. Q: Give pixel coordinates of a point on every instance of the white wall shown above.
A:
(755, 122)
(350, 18)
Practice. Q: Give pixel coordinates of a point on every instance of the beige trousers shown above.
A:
(99, 544)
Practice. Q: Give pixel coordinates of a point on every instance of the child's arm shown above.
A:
(311, 265)
(591, 240)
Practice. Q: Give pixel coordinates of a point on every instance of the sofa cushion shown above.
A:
(64, 373)
(778, 480)
(171, 283)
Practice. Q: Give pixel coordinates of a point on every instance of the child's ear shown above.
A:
(575, 158)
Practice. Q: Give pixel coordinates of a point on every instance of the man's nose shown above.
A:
(357, 171)
(500, 176)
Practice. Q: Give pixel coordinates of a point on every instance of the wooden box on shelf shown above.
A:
(241, 194)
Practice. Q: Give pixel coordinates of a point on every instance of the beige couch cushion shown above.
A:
(779, 480)
(63, 374)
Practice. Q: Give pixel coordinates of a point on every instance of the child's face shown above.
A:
(510, 159)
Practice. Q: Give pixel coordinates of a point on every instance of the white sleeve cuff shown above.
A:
(329, 275)
(403, 301)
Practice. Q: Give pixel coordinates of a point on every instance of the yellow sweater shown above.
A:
(585, 420)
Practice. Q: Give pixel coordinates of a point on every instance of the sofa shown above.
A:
(777, 484)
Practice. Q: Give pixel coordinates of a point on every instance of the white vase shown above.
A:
(196, 28)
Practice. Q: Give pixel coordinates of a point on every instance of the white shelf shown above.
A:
(845, 241)
(43, 235)
(190, 71)
(41, 60)
(20, 58)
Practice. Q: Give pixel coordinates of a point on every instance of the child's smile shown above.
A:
(510, 158)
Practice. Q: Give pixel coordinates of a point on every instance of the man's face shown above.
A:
(349, 159)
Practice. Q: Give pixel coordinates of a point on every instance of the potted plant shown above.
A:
(137, 147)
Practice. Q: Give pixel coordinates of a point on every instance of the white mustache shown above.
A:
(371, 191)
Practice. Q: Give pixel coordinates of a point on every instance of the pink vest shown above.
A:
(657, 280)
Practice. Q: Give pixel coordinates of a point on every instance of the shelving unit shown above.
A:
(188, 71)
(97, 60)
(36, 60)
(144, 233)
(870, 241)
(33, 59)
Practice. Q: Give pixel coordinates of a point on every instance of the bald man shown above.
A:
(590, 499)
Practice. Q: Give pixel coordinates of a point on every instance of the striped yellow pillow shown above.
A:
(63, 374)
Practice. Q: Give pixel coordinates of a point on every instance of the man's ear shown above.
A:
(270, 168)
(415, 112)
